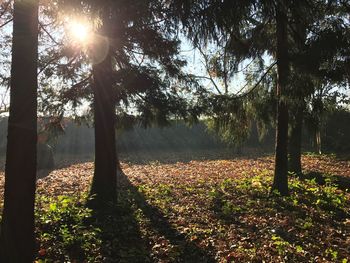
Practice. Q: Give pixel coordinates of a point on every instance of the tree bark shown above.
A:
(299, 106)
(280, 182)
(105, 174)
(17, 229)
(295, 144)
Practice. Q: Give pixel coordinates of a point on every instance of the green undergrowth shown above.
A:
(225, 221)
(327, 200)
(298, 227)
(64, 229)
(68, 231)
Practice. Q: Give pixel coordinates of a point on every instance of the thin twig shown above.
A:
(7, 22)
(207, 69)
(48, 63)
(256, 84)
(48, 33)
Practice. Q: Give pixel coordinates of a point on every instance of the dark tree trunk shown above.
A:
(17, 229)
(280, 182)
(297, 110)
(295, 143)
(105, 175)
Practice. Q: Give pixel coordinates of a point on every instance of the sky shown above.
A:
(195, 62)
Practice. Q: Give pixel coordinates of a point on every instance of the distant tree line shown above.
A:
(78, 140)
(132, 73)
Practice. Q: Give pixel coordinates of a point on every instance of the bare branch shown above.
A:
(82, 81)
(7, 22)
(207, 69)
(48, 33)
(48, 63)
(256, 84)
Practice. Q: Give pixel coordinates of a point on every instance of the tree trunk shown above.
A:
(318, 141)
(280, 182)
(105, 174)
(295, 143)
(297, 110)
(17, 229)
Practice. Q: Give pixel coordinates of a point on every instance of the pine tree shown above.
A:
(138, 69)
(105, 173)
(17, 230)
(292, 33)
(251, 29)
(280, 180)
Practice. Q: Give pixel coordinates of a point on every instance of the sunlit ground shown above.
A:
(204, 210)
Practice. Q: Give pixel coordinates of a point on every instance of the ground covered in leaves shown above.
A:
(197, 211)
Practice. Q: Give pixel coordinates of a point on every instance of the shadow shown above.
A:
(186, 156)
(341, 182)
(64, 161)
(165, 157)
(42, 173)
(340, 157)
(186, 251)
(120, 233)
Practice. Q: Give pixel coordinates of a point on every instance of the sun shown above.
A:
(80, 31)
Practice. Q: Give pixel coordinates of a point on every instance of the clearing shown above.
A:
(196, 211)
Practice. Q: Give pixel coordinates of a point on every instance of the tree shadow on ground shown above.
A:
(122, 237)
(341, 182)
(120, 233)
(187, 251)
(42, 173)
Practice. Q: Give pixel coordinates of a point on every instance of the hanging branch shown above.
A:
(207, 69)
(82, 82)
(48, 63)
(49, 35)
(257, 84)
(7, 22)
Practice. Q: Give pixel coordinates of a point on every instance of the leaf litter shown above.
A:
(217, 211)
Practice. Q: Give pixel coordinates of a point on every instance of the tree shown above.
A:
(319, 49)
(17, 230)
(289, 32)
(248, 26)
(105, 173)
(137, 72)
(280, 180)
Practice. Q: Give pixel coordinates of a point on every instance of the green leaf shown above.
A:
(53, 207)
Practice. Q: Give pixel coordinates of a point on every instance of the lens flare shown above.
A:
(79, 31)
